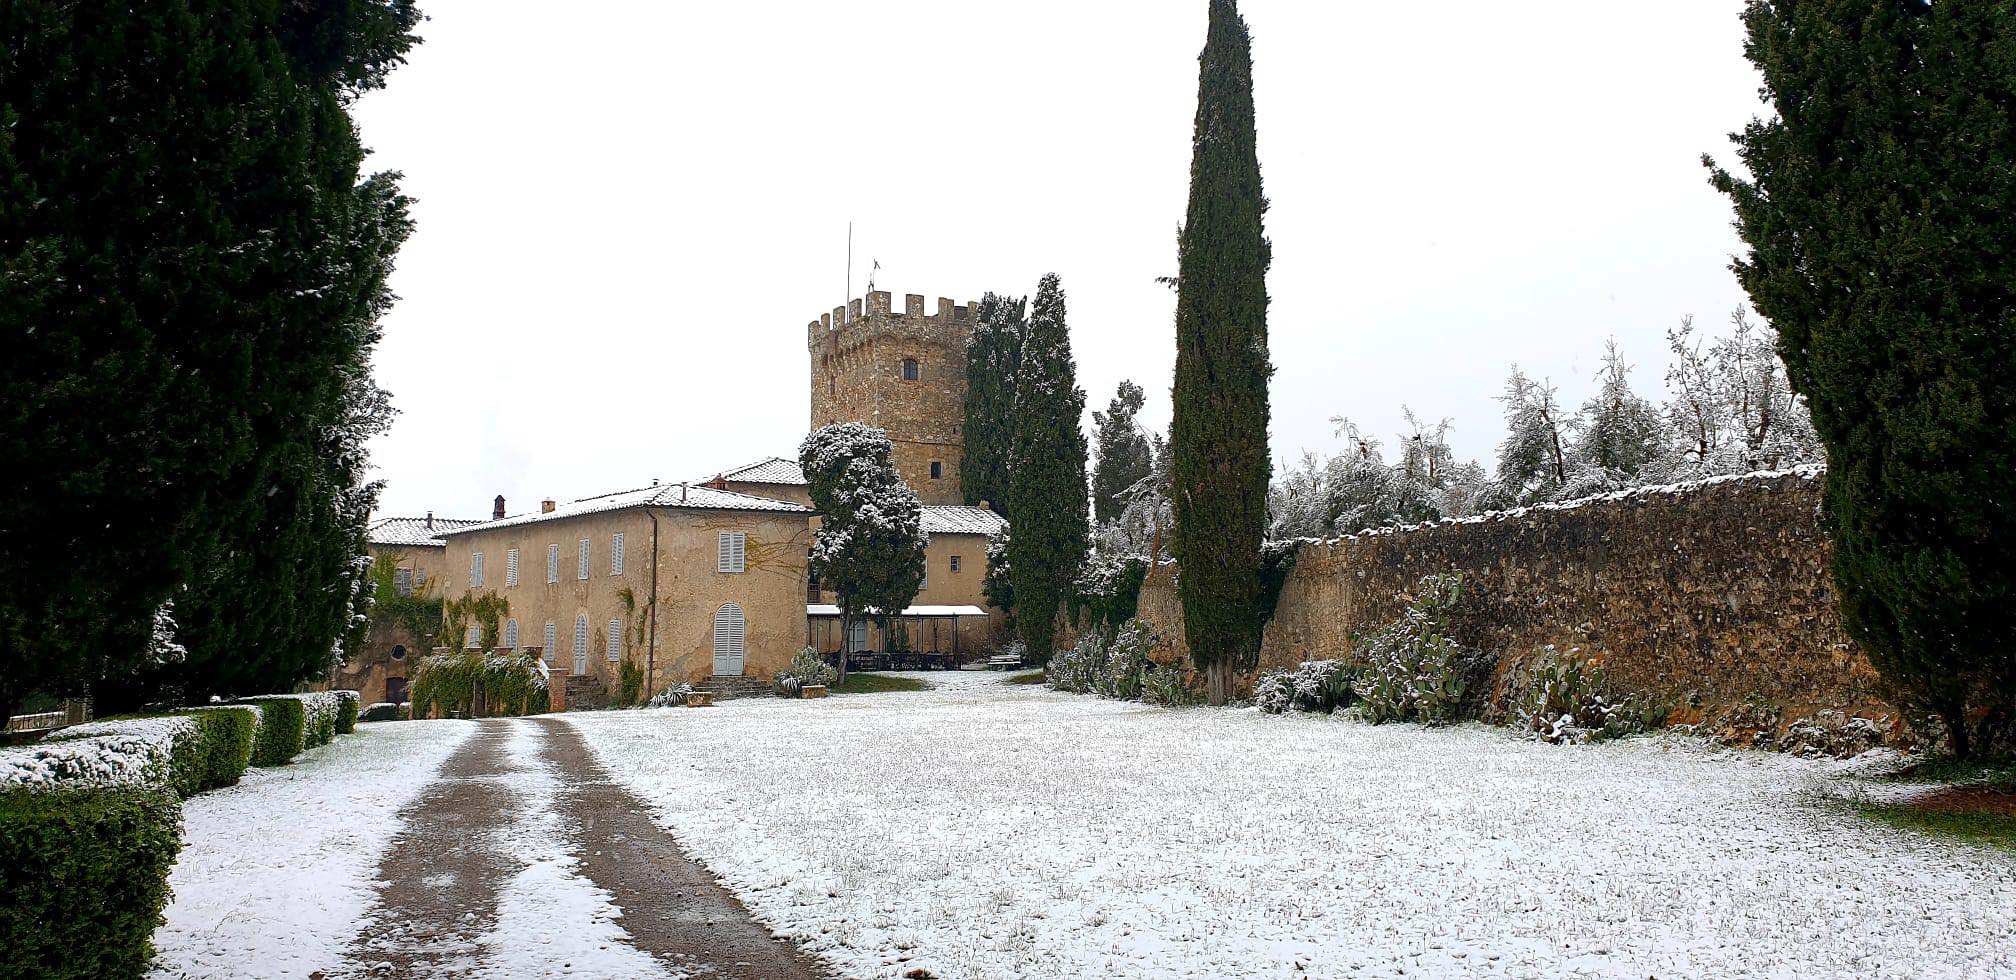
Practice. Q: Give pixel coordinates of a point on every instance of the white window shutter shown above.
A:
(511, 634)
(552, 563)
(581, 636)
(728, 630)
(581, 561)
(472, 637)
(732, 555)
(476, 570)
(616, 553)
(511, 569)
(552, 639)
(615, 640)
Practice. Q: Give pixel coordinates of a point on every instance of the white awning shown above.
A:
(828, 609)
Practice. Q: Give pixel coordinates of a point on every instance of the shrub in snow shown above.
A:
(348, 706)
(673, 697)
(1165, 686)
(1411, 670)
(1568, 700)
(381, 711)
(84, 879)
(1113, 666)
(228, 735)
(1317, 685)
(471, 684)
(178, 737)
(807, 668)
(283, 728)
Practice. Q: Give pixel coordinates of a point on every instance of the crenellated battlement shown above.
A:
(875, 313)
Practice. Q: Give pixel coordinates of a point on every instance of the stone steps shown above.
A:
(725, 687)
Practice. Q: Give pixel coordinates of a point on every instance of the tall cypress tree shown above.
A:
(192, 269)
(993, 355)
(1879, 223)
(1046, 481)
(1218, 435)
(1125, 455)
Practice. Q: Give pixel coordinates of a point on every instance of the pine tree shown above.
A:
(870, 546)
(191, 266)
(1219, 431)
(1878, 219)
(1125, 456)
(993, 356)
(1047, 491)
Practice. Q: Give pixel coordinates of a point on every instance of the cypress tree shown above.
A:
(1124, 457)
(993, 355)
(1879, 221)
(192, 269)
(1218, 435)
(1046, 481)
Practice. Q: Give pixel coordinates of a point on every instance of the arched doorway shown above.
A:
(729, 628)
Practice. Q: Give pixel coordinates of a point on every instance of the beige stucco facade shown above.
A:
(690, 588)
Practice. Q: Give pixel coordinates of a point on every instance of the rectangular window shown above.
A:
(925, 582)
(552, 640)
(615, 640)
(580, 642)
(616, 553)
(937, 470)
(552, 563)
(402, 581)
(733, 552)
(476, 570)
(582, 560)
(911, 369)
(472, 637)
(511, 634)
(955, 564)
(511, 569)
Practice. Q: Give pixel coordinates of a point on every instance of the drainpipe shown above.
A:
(651, 638)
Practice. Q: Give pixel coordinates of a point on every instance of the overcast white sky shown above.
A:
(629, 211)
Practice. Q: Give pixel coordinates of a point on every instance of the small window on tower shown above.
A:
(937, 470)
(911, 370)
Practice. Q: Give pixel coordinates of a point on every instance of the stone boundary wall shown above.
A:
(1714, 595)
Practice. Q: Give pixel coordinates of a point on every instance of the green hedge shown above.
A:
(283, 730)
(346, 711)
(228, 735)
(83, 880)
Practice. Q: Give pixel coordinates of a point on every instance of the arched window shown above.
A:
(912, 371)
(728, 631)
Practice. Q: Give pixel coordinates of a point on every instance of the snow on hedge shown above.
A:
(130, 758)
(276, 873)
(987, 830)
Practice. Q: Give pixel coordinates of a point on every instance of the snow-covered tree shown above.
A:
(1047, 486)
(1617, 433)
(870, 546)
(1533, 459)
(1124, 455)
(1732, 410)
(1146, 516)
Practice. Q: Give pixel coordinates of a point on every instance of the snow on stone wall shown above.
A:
(1715, 595)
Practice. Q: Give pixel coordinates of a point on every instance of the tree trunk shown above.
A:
(846, 640)
(1956, 732)
(1218, 683)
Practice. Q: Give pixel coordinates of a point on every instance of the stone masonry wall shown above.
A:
(1714, 596)
(857, 357)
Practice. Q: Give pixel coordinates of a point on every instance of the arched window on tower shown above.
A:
(912, 371)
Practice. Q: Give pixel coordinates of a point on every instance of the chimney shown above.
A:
(497, 508)
(682, 493)
(430, 520)
(546, 506)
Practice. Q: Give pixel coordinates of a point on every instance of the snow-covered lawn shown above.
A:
(987, 830)
(276, 872)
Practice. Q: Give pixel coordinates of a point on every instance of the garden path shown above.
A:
(523, 859)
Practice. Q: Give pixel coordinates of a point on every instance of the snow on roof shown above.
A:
(414, 531)
(829, 609)
(776, 469)
(674, 495)
(952, 519)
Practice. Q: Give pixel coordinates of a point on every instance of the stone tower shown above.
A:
(904, 372)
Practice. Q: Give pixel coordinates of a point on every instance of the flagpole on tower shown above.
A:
(848, 296)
